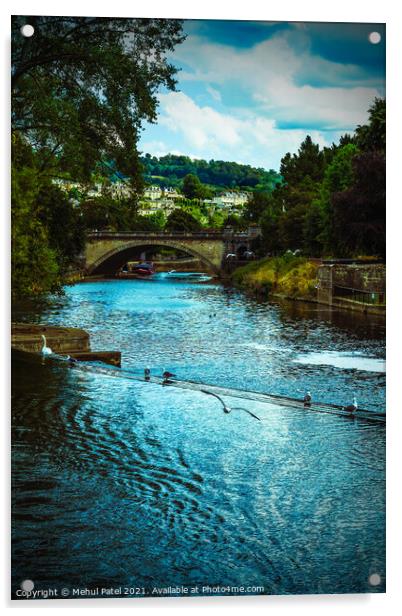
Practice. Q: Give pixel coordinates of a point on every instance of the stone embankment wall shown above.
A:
(355, 285)
(28, 337)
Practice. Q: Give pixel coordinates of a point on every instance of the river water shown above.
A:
(125, 484)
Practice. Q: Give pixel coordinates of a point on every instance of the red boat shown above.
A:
(144, 269)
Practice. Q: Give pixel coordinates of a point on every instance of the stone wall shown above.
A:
(333, 278)
(28, 337)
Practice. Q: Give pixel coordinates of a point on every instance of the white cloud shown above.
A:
(275, 73)
(210, 134)
(201, 125)
(160, 148)
(270, 96)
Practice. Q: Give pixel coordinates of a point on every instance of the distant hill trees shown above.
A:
(170, 170)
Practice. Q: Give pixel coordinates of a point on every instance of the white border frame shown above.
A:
(293, 10)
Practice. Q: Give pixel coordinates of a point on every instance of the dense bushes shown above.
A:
(288, 275)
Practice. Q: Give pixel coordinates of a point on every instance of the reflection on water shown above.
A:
(117, 482)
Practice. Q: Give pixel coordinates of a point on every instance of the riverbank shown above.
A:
(355, 287)
(72, 341)
(28, 337)
(287, 277)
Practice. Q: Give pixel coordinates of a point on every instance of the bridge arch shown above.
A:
(115, 256)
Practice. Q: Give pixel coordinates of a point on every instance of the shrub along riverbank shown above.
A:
(287, 276)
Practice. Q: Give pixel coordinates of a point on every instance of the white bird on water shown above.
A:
(227, 409)
(45, 349)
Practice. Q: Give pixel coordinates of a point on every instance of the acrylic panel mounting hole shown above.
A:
(374, 37)
(27, 585)
(374, 579)
(27, 30)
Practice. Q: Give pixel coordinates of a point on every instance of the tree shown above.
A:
(148, 224)
(302, 175)
(270, 242)
(359, 212)
(64, 224)
(235, 221)
(170, 168)
(179, 220)
(34, 267)
(308, 162)
(290, 228)
(82, 87)
(216, 220)
(46, 227)
(104, 212)
(256, 206)
(372, 136)
(313, 227)
(193, 188)
(338, 177)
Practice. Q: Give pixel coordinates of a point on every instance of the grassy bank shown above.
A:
(288, 276)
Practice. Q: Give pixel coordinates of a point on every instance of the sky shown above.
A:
(250, 91)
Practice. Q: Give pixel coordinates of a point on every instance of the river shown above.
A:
(119, 483)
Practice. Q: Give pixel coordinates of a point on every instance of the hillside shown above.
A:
(170, 170)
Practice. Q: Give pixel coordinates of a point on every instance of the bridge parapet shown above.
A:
(214, 235)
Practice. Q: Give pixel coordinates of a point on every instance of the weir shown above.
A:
(267, 398)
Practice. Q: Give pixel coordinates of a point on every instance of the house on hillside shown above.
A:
(153, 193)
(230, 201)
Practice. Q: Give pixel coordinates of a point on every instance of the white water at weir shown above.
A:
(345, 361)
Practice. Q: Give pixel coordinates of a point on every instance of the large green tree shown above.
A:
(308, 162)
(34, 266)
(193, 188)
(83, 86)
(356, 191)
(372, 136)
(180, 220)
(64, 223)
(46, 226)
(339, 176)
(81, 89)
(256, 206)
(359, 212)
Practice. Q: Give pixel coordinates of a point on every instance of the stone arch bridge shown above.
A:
(106, 251)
